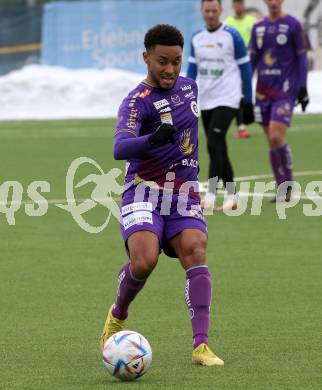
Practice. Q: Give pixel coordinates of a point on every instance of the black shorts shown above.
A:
(218, 120)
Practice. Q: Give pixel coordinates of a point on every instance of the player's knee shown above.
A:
(199, 253)
(142, 269)
(275, 140)
(196, 252)
(143, 262)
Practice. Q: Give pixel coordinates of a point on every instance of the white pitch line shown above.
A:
(269, 175)
(302, 196)
(203, 187)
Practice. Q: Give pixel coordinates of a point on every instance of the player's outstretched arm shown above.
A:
(127, 146)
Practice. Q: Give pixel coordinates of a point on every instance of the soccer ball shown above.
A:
(127, 355)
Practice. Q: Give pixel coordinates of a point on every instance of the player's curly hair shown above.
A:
(163, 34)
(203, 1)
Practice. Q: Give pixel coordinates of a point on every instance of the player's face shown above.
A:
(211, 11)
(239, 7)
(164, 65)
(274, 6)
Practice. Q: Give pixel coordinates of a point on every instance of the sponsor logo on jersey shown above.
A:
(131, 121)
(186, 162)
(166, 118)
(281, 39)
(271, 72)
(269, 59)
(167, 109)
(283, 28)
(185, 146)
(133, 99)
(190, 95)
(145, 93)
(209, 45)
(259, 41)
(161, 103)
(194, 108)
(185, 88)
(175, 99)
(271, 29)
(260, 31)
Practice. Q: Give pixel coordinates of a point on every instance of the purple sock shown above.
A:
(277, 166)
(127, 291)
(198, 298)
(285, 155)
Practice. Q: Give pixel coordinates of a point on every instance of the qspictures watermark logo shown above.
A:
(107, 190)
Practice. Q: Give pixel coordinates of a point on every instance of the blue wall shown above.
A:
(100, 34)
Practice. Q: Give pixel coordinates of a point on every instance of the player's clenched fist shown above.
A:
(163, 134)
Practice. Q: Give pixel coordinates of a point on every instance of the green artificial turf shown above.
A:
(57, 281)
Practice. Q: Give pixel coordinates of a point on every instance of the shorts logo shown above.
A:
(258, 114)
(161, 103)
(194, 108)
(139, 206)
(137, 218)
(281, 39)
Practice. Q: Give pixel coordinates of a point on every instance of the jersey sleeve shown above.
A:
(128, 143)
(130, 116)
(241, 54)
(192, 66)
(243, 61)
(300, 39)
(301, 46)
(253, 49)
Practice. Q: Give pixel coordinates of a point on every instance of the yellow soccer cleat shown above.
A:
(204, 356)
(112, 325)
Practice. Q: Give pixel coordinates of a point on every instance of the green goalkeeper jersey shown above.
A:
(243, 26)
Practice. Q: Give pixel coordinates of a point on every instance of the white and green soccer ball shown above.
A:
(127, 355)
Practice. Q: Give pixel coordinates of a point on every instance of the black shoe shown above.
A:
(287, 198)
(288, 195)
